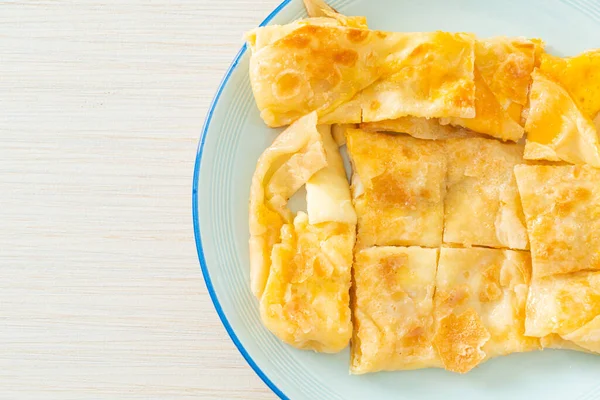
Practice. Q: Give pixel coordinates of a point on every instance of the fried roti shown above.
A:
(398, 187)
(393, 309)
(482, 205)
(301, 266)
(480, 306)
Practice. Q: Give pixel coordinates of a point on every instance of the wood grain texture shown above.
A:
(101, 106)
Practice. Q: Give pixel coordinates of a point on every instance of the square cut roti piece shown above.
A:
(565, 311)
(562, 210)
(480, 306)
(482, 204)
(398, 189)
(392, 309)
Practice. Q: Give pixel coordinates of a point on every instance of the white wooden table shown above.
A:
(101, 106)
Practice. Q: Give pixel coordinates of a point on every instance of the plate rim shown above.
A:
(196, 221)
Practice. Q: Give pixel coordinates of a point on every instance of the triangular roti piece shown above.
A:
(557, 130)
(567, 306)
(505, 65)
(554, 341)
(588, 336)
(319, 8)
(502, 77)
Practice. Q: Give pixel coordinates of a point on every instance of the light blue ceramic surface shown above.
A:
(232, 140)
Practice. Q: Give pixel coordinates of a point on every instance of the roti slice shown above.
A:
(480, 306)
(562, 212)
(566, 308)
(434, 80)
(398, 187)
(393, 309)
(321, 66)
(482, 205)
(502, 70)
(557, 129)
(283, 168)
(301, 266)
(490, 118)
(565, 98)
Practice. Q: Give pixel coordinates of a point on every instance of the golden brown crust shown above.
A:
(459, 340)
(398, 189)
